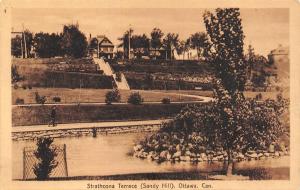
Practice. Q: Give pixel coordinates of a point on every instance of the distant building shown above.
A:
(279, 57)
(104, 47)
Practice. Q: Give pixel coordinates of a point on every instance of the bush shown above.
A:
(24, 86)
(112, 96)
(56, 99)
(40, 99)
(166, 101)
(258, 96)
(45, 155)
(19, 101)
(135, 98)
(29, 87)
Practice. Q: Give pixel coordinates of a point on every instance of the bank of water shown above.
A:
(108, 155)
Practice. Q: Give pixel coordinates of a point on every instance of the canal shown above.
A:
(111, 155)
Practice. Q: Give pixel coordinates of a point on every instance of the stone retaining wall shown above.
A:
(78, 132)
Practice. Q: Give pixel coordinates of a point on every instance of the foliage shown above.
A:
(170, 42)
(15, 76)
(112, 96)
(199, 42)
(40, 99)
(46, 157)
(140, 45)
(48, 45)
(56, 99)
(166, 101)
(16, 46)
(156, 38)
(135, 98)
(74, 42)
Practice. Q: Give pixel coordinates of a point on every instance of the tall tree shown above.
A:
(74, 42)
(47, 45)
(234, 123)
(171, 42)
(140, 45)
(199, 42)
(156, 39)
(16, 44)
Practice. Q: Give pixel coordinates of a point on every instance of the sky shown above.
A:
(264, 29)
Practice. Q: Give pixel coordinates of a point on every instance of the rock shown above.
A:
(177, 154)
(286, 153)
(199, 159)
(260, 155)
(185, 158)
(281, 153)
(177, 159)
(178, 147)
(240, 156)
(169, 156)
(149, 157)
(276, 154)
(220, 157)
(203, 155)
(188, 153)
(163, 154)
(254, 155)
(271, 148)
(156, 158)
(193, 155)
(214, 159)
(267, 154)
(137, 147)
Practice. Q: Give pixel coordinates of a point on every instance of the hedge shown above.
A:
(202, 69)
(37, 115)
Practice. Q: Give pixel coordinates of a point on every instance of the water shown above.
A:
(110, 155)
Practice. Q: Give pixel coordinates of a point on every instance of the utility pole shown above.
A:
(25, 48)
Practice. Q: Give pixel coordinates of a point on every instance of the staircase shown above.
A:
(107, 70)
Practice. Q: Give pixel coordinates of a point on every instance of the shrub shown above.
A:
(135, 98)
(24, 86)
(29, 87)
(45, 155)
(40, 99)
(19, 101)
(112, 96)
(166, 101)
(56, 99)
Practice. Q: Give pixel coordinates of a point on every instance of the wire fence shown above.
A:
(29, 161)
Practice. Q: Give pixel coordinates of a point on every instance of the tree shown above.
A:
(125, 42)
(112, 96)
(46, 158)
(170, 42)
(74, 42)
(199, 42)
(48, 45)
(16, 46)
(156, 38)
(140, 45)
(234, 123)
(135, 98)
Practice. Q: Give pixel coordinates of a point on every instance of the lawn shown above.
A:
(91, 95)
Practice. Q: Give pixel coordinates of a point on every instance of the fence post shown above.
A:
(65, 160)
(24, 163)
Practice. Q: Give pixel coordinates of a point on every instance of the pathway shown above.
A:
(84, 125)
(107, 70)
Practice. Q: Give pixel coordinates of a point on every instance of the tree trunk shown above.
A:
(229, 164)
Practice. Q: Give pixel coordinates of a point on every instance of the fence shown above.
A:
(29, 161)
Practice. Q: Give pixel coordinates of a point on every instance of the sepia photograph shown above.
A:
(142, 94)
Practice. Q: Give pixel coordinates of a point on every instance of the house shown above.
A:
(103, 47)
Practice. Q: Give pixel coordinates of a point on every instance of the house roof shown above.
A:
(104, 41)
